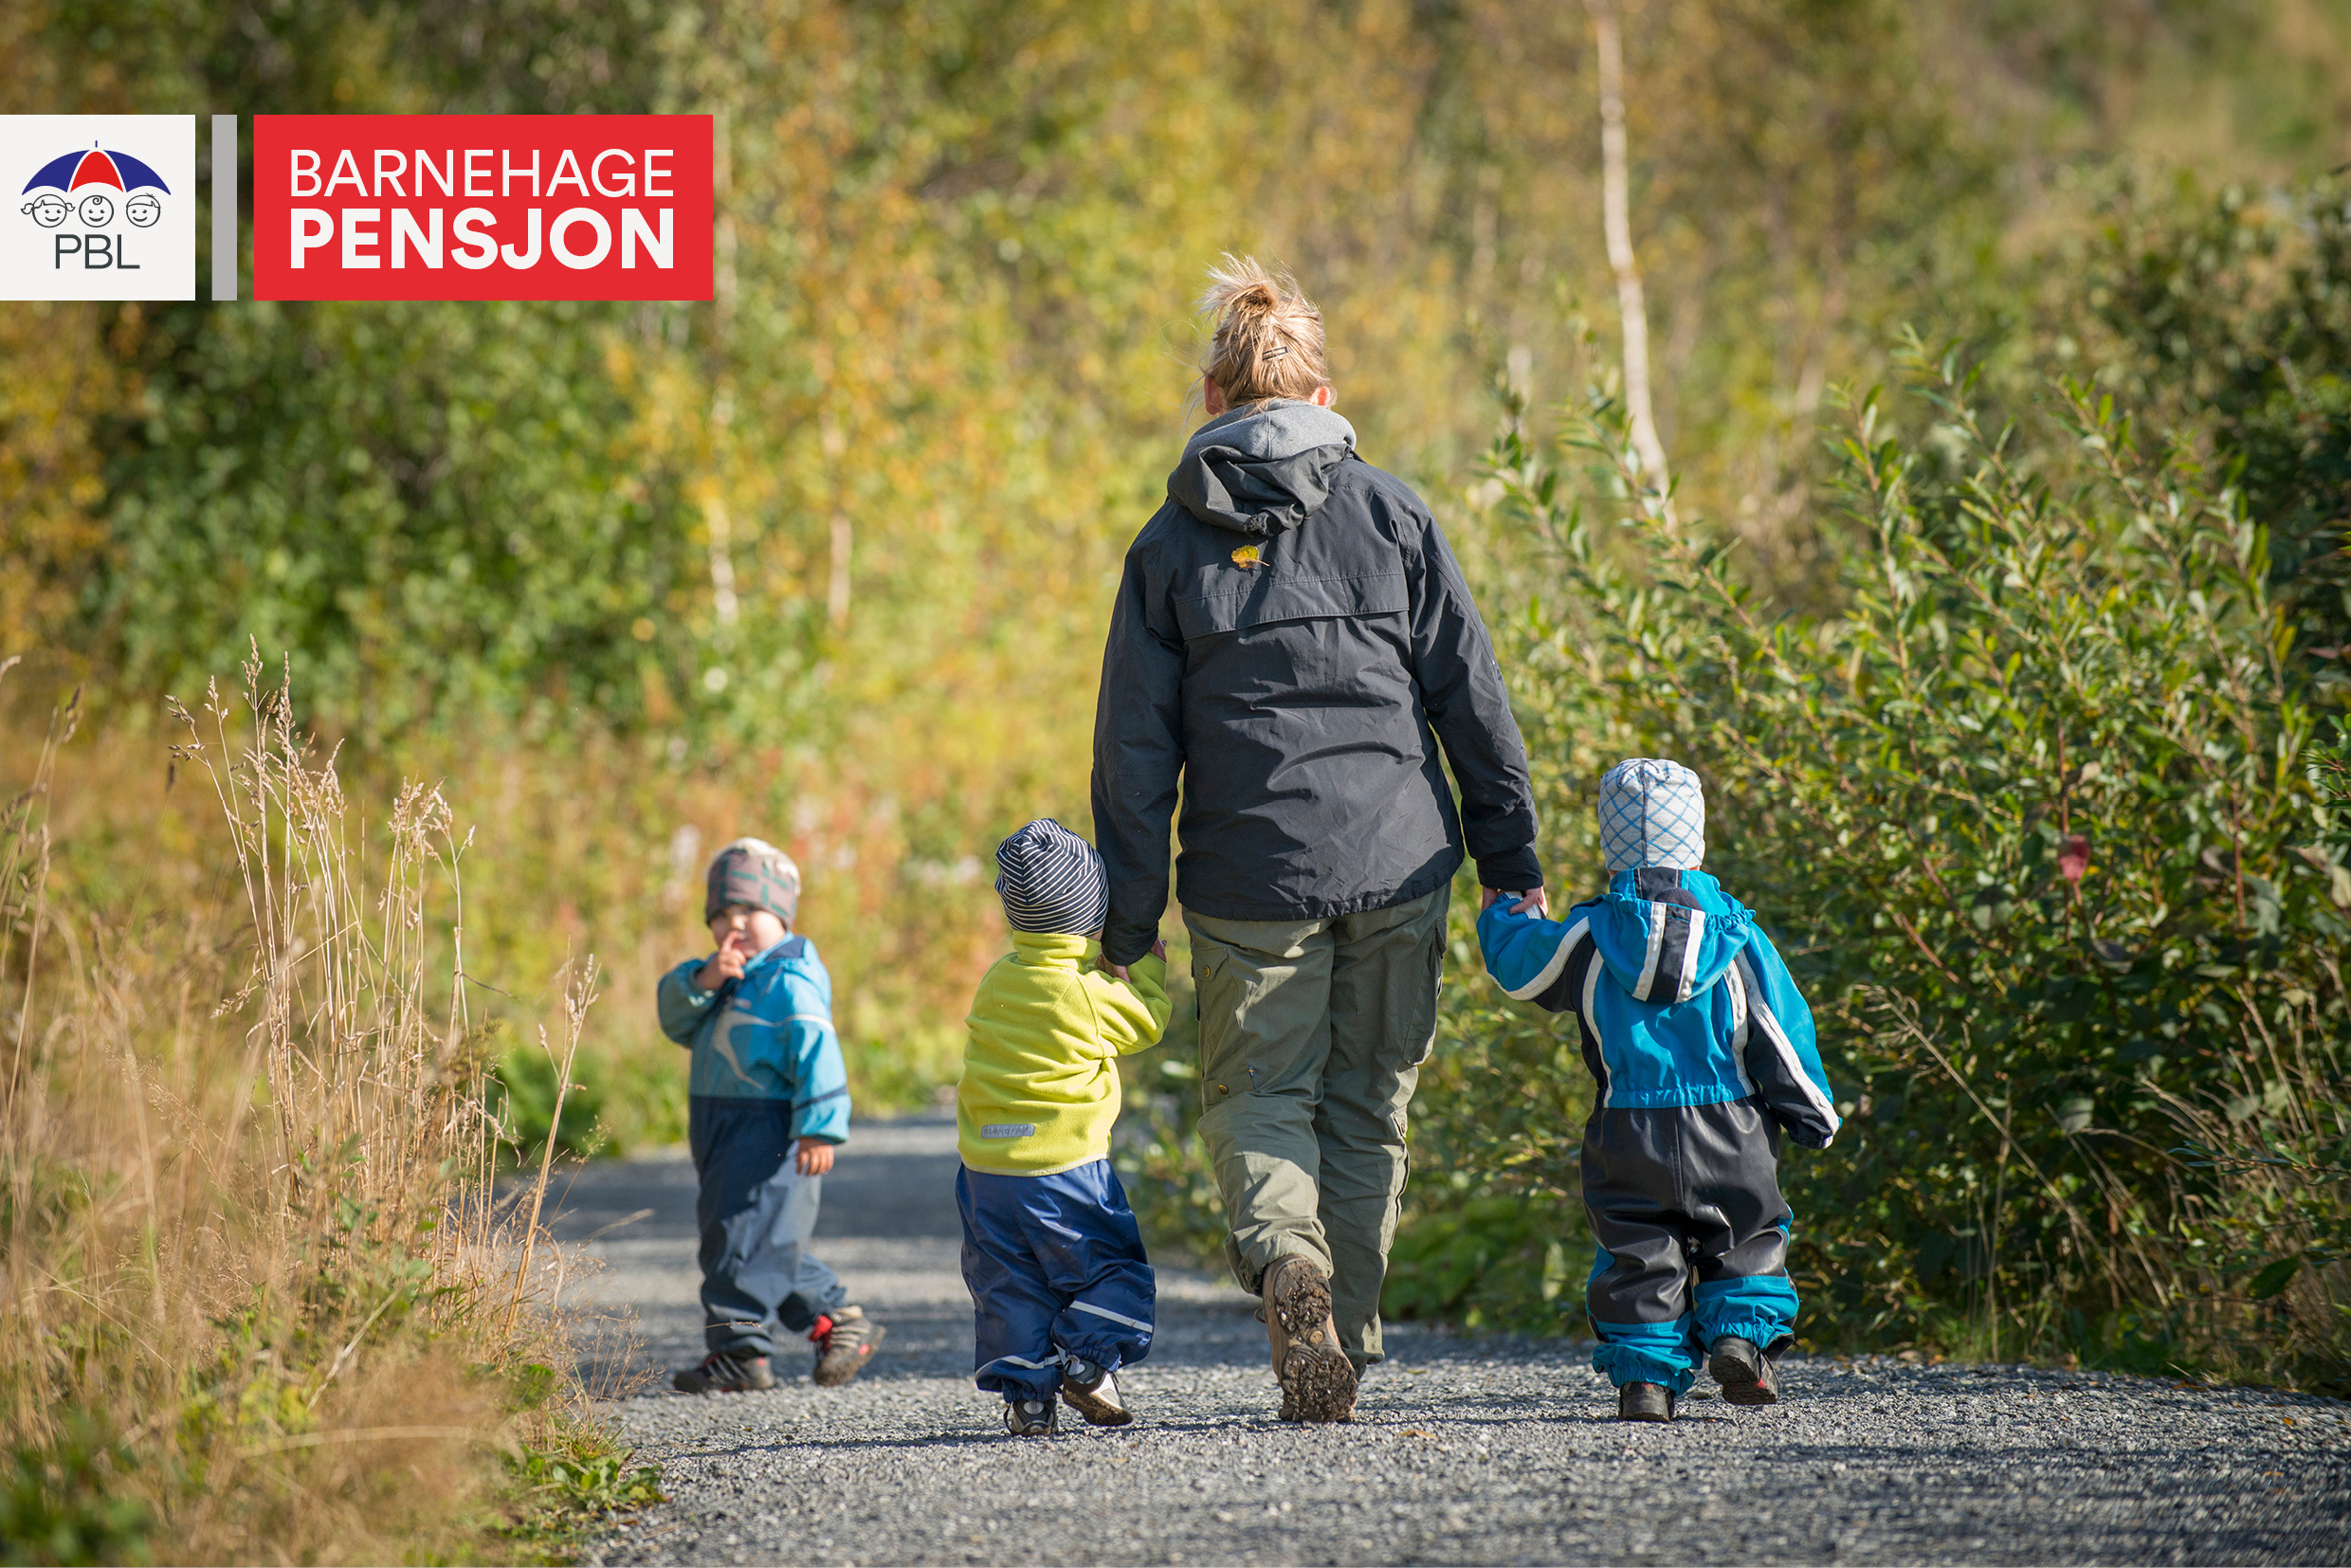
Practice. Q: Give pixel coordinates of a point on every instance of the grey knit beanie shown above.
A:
(753, 871)
(1652, 813)
(1052, 881)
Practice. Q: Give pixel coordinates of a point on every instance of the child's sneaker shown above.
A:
(723, 1372)
(1743, 1372)
(843, 1345)
(1093, 1392)
(1643, 1402)
(1030, 1417)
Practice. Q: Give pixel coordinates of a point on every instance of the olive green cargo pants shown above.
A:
(1312, 1033)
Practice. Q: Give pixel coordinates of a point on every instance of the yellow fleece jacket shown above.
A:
(1040, 1086)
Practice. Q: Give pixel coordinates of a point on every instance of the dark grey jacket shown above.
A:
(1294, 640)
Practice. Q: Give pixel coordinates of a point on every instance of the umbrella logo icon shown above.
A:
(80, 182)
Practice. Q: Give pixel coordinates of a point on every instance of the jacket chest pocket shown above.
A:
(1269, 597)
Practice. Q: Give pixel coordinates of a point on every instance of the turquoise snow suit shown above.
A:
(765, 1072)
(1703, 1054)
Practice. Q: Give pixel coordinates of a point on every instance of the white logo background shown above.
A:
(147, 247)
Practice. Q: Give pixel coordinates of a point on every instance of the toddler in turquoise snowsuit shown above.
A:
(768, 1101)
(1702, 1051)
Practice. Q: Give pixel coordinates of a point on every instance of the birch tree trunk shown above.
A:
(1616, 222)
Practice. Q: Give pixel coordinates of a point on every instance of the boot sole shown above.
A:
(1318, 1386)
(1318, 1382)
(1655, 1417)
(1742, 1384)
(837, 1367)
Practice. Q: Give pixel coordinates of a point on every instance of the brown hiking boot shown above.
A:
(1317, 1381)
(843, 1345)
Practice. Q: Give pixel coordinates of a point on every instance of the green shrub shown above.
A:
(1497, 1261)
(61, 1500)
(618, 1103)
(1162, 1162)
(2229, 317)
(2031, 814)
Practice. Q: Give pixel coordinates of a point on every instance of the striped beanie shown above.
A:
(755, 872)
(1652, 813)
(1052, 881)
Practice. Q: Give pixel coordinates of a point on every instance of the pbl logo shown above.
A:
(76, 186)
(112, 219)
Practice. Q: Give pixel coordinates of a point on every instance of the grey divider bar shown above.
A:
(224, 206)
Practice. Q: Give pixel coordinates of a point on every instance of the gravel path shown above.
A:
(1465, 1449)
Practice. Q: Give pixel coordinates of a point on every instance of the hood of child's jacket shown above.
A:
(1667, 936)
(1263, 468)
(782, 951)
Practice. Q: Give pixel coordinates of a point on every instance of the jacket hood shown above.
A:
(1667, 936)
(1262, 468)
(1054, 944)
(790, 948)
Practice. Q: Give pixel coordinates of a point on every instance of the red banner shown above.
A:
(482, 207)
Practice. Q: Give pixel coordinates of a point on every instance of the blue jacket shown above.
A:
(766, 1036)
(1681, 998)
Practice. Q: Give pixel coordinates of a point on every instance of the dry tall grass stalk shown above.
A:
(260, 1303)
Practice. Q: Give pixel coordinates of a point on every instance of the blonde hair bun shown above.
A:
(1267, 340)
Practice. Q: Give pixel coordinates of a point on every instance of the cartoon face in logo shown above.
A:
(78, 183)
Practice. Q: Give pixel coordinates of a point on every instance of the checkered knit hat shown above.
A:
(753, 871)
(1652, 813)
(1052, 881)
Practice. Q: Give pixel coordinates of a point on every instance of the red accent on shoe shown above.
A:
(823, 1327)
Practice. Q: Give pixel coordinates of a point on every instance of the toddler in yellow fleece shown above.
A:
(1061, 1294)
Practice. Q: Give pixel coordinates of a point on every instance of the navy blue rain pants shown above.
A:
(1056, 1266)
(757, 1214)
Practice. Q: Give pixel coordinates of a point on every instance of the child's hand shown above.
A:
(815, 1156)
(1119, 971)
(728, 964)
(1538, 901)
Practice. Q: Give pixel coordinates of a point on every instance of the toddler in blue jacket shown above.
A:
(768, 1100)
(1703, 1052)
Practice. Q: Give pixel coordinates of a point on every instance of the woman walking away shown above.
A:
(1292, 644)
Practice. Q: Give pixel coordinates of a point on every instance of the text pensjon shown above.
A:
(410, 233)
